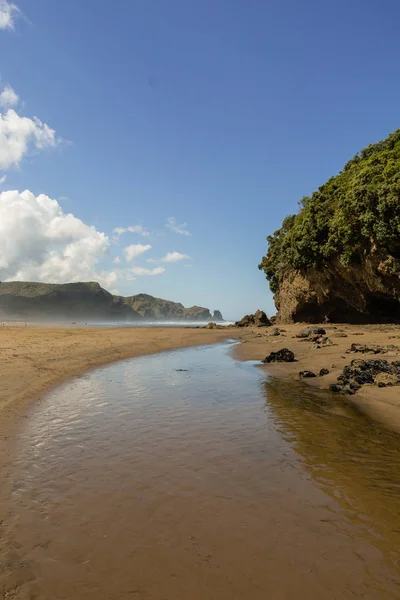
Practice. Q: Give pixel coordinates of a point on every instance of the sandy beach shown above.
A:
(35, 358)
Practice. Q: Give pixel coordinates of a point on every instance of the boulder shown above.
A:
(275, 331)
(283, 355)
(306, 374)
(323, 372)
(259, 319)
(313, 330)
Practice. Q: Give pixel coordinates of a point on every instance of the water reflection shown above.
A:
(191, 475)
(354, 459)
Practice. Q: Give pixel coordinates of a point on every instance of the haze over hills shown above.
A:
(89, 301)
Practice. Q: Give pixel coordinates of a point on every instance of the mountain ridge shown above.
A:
(88, 300)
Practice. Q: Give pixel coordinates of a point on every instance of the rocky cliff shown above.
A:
(338, 258)
(88, 301)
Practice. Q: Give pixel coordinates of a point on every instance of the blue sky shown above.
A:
(221, 114)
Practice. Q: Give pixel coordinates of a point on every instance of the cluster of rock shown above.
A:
(259, 319)
(315, 334)
(374, 349)
(311, 333)
(213, 325)
(373, 371)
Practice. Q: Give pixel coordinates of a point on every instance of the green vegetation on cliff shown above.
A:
(351, 216)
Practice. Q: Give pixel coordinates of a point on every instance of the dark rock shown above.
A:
(323, 372)
(306, 374)
(283, 355)
(275, 331)
(354, 386)
(372, 371)
(323, 342)
(313, 330)
(335, 387)
(259, 319)
(364, 348)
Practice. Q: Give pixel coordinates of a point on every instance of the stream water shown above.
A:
(189, 475)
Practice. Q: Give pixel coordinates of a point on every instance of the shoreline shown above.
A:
(36, 359)
(379, 404)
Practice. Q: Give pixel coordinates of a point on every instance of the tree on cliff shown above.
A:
(352, 216)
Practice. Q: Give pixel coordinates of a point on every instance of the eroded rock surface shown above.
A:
(259, 319)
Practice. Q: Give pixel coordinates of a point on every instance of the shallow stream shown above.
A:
(189, 475)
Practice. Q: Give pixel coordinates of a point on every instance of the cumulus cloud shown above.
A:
(135, 250)
(170, 257)
(174, 226)
(18, 135)
(8, 97)
(117, 260)
(2, 179)
(138, 229)
(39, 242)
(8, 12)
(142, 271)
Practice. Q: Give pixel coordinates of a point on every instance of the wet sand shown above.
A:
(382, 404)
(35, 358)
(143, 480)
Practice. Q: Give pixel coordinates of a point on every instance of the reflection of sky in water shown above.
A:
(194, 435)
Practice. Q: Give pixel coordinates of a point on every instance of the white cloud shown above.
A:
(19, 134)
(117, 260)
(2, 179)
(135, 250)
(39, 242)
(119, 231)
(143, 271)
(172, 257)
(138, 229)
(7, 13)
(8, 97)
(173, 225)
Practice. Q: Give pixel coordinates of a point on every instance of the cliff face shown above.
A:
(87, 301)
(364, 293)
(338, 258)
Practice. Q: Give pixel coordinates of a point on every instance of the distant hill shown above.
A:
(89, 301)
